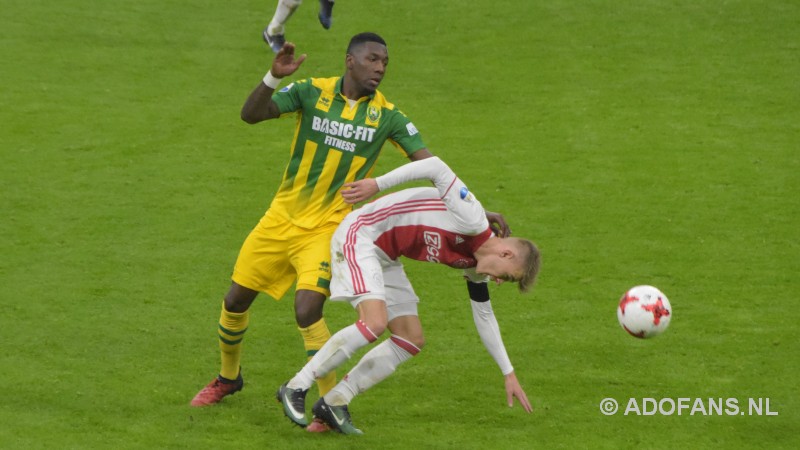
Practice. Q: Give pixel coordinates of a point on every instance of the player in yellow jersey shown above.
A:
(342, 123)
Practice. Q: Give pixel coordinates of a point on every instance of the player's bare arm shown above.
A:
(420, 154)
(259, 105)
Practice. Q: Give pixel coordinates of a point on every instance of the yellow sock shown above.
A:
(231, 332)
(314, 337)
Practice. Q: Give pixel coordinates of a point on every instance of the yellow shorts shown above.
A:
(276, 253)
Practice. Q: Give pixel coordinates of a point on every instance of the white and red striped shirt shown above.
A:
(445, 224)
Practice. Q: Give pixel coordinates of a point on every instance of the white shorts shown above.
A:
(362, 271)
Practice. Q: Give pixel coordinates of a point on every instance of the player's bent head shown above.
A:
(361, 39)
(531, 259)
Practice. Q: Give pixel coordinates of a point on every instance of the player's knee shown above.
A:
(239, 298)
(307, 314)
(308, 307)
(292, 3)
(376, 325)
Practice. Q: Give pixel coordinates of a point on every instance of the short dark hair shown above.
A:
(362, 38)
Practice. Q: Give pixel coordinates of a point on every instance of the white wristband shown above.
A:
(271, 81)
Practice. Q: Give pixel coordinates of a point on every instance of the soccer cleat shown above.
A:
(337, 417)
(275, 42)
(325, 13)
(318, 426)
(218, 389)
(294, 404)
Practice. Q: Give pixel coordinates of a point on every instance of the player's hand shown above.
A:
(513, 389)
(360, 190)
(285, 63)
(498, 224)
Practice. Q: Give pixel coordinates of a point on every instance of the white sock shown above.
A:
(339, 348)
(283, 11)
(374, 367)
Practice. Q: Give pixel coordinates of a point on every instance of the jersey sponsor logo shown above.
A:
(341, 144)
(336, 130)
(412, 130)
(433, 242)
(340, 129)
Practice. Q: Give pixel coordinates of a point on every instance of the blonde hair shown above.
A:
(532, 260)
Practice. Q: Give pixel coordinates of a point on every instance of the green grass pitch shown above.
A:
(637, 142)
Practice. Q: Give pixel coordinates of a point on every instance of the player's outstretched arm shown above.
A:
(429, 168)
(497, 222)
(489, 331)
(259, 105)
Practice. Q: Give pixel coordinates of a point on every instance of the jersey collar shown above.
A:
(337, 90)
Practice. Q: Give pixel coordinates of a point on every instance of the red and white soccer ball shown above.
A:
(644, 311)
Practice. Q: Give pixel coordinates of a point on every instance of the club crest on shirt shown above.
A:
(373, 115)
(339, 257)
(460, 264)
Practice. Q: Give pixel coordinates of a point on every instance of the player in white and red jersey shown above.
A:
(446, 225)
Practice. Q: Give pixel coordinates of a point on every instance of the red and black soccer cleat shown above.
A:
(218, 389)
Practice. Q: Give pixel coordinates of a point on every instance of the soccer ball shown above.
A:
(644, 311)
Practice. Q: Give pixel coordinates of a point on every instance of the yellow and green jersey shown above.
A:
(333, 144)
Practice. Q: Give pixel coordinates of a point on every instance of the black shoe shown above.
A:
(325, 13)
(294, 404)
(275, 42)
(337, 417)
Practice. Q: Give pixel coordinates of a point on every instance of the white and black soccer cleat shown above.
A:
(337, 417)
(294, 404)
(275, 42)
